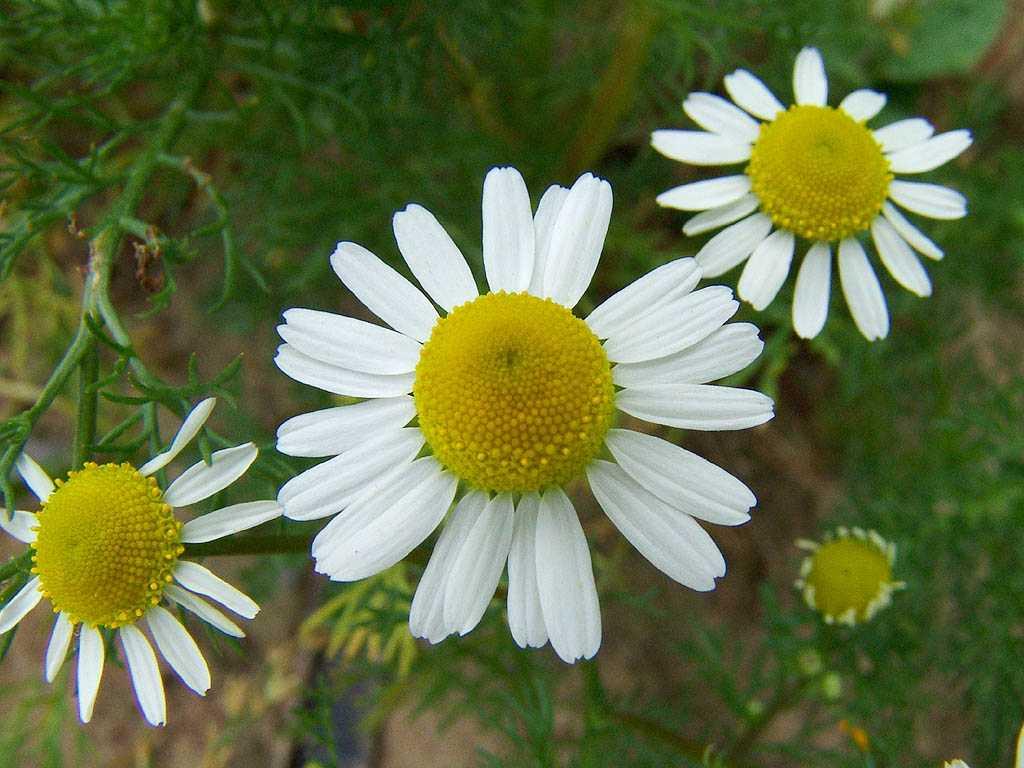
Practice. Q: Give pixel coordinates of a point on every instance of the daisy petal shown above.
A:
(696, 406)
(863, 105)
(810, 298)
(766, 270)
(60, 641)
(862, 291)
(203, 610)
(331, 431)
(674, 279)
(930, 154)
(433, 257)
(753, 95)
(733, 244)
(714, 218)
(810, 85)
(383, 291)
(349, 343)
(21, 525)
(544, 224)
(715, 114)
(702, 195)
(903, 133)
(145, 674)
(917, 239)
(203, 581)
(35, 476)
(525, 617)
(202, 480)
(478, 565)
(189, 429)
(90, 670)
(577, 240)
(699, 147)
(24, 600)
(508, 231)
(565, 580)
(901, 262)
(229, 520)
(683, 480)
(665, 536)
(931, 200)
(340, 381)
(179, 649)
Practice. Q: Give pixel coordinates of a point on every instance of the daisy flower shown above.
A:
(817, 173)
(513, 398)
(106, 555)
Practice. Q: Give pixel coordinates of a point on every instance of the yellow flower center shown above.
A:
(849, 574)
(106, 545)
(819, 173)
(513, 393)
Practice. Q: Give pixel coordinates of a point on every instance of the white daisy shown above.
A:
(514, 397)
(106, 555)
(814, 172)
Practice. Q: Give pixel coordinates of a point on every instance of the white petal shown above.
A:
(340, 381)
(753, 95)
(349, 343)
(714, 218)
(733, 244)
(383, 291)
(335, 430)
(60, 641)
(203, 581)
(810, 298)
(901, 262)
(930, 154)
(376, 532)
(710, 193)
(179, 649)
(674, 326)
(228, 520)
(671, 540)
(863, 105)
(699, 147)
(810, 85)
(21, 525)
(35, 476)
(862, 291)
(766, 270)
(726, 351)
(715, 114)
(145, 674)
(433, 257)
(932, 200)
(90, 670)
(202, 480)
(203, 610)
(683, 480)
(189, 429)
(24, 600)
(903, 133)
(565, 580)
(544, 224)
(675, 279)
(696, 406)
(426, 616)
(525, 617)
(478, 565)
(508, 231)
(329, 487)
(577, 240)
(917, 239)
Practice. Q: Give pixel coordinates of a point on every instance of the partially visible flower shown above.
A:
(848, 576)
(815, 172)
(1018, 761)
(107, 556)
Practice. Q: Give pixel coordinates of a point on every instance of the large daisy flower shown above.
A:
(513, 398)
(106, 555)
(817, 173)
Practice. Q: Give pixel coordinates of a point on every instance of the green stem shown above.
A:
(85, 432)
(785, 699)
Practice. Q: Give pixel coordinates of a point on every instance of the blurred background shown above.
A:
(305, 123)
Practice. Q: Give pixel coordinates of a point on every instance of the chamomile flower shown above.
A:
(513, 398)
(817, 173)
(106, 553)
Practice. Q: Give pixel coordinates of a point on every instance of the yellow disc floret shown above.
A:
(819, 173)
(513, 393)
(106, 545)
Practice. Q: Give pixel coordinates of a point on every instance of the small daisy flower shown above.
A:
(106, 553)
(813, 172)
(848, 576)
(513, 399)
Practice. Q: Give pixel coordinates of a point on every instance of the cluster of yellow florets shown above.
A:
(819, 173)
(513, 393)
(106, 545)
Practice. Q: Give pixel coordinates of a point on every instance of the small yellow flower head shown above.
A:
(848, 576)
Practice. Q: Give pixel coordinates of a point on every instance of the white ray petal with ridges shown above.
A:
(433, 257)
(186, 432)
